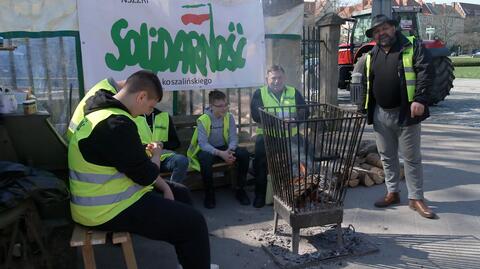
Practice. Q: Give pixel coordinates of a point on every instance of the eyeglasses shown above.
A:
(221, 106)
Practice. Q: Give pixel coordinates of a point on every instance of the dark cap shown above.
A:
(377, 21)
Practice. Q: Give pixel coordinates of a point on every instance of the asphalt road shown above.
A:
(461, 107)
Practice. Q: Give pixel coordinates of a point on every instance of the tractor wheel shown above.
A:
(443, 81)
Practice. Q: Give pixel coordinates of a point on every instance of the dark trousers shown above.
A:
(207, 159)
(175, 222)
(260, 166)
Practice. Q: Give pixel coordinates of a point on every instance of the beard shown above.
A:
(387, 40)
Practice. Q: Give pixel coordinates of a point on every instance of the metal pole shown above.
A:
(382, 7)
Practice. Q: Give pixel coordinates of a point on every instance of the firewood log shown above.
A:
(352, 183)
(353, 180)
(354, 174)
(366, 147)
(358, 161)
(366, 180)
(375, 173)
(378, 175)
(360, 171)
(374, 159)
(364, 176)
(366, 166)
(304, 191)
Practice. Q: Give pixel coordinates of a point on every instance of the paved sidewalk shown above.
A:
(451, 156)
(452, 182)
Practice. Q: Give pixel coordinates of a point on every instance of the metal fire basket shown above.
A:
(310, 154)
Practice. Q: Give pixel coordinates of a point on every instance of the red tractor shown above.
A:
(359, 44)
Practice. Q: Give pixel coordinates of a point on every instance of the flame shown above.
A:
(303, 170)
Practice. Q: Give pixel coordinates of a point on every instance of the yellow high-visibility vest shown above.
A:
(410, 75)
(78, 114)
(161, 123)
(270, 102)
(98, 193)
(194, 147)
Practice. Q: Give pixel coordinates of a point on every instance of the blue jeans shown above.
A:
(177, 164)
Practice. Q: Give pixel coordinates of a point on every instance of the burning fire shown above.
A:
(303, 170)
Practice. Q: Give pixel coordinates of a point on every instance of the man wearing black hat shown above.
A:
(399, 75)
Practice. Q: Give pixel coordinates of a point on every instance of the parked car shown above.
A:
(476, 54)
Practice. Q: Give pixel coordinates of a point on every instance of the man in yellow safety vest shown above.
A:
(215, 139)
(275, 94)
(115, 186)
(398, 78)
(156, 127)
(159, 127)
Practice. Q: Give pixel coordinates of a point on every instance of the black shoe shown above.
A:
(209, 201)
(242, 197)
(259, 201)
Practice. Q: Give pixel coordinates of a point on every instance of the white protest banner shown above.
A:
(38, 15)
(190, 44)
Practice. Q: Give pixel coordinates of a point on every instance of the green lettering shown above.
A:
(158, 58)
(192, 50)
(114, 63)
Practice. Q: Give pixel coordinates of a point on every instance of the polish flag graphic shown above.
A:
(194, 18)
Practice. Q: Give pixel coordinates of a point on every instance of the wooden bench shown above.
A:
(86, 238)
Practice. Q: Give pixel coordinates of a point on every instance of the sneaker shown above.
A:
(209, 201)
(242, 197)
(259, 201)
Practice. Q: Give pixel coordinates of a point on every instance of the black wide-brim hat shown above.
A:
(377, 21)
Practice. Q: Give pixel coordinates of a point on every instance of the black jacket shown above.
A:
(115, 142)
(425, 75)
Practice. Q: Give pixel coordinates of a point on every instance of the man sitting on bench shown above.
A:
(112, 181)
(159, 127)
(215, 139)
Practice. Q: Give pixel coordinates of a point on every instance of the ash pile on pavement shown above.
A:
(317, 244)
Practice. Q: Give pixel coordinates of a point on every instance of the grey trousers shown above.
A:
(393, 139)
